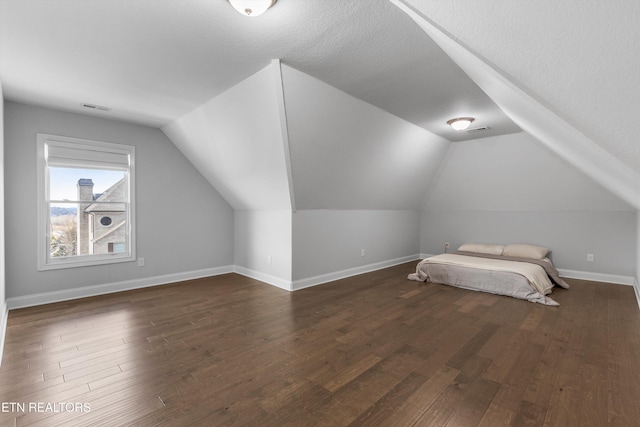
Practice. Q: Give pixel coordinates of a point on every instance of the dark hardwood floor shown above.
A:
(375, 349)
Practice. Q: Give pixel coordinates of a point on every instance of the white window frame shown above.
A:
(97, 157)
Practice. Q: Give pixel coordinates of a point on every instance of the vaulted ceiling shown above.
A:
(580, 59)
(355, 115)
(152, 61)
(284, 140)
(563, 71)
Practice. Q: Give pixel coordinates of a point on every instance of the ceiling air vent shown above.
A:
(480, 129)
(96, 107)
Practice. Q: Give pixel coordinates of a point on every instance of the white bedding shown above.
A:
(534, 286)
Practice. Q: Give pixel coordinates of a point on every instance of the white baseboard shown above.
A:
(88, 291)
(263, 277)
(596, 277)
(606, 278)
(4, 314)
(107, 288)
(337, 275)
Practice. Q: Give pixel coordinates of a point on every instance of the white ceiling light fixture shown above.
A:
(460, 123)
(252, 8)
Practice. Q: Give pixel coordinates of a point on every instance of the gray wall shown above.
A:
(638, 248)
(610, 236)
(348, 154)
(2, 237)
(183, 224)
(263, 244)
(328, 241)
(512, 189)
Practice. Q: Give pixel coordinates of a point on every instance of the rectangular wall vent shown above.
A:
(96, 107)
(480, 129)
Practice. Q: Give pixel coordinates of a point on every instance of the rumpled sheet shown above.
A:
(545, 263)
(467, 272)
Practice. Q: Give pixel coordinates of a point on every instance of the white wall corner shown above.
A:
(284, 126)
(435, 178)
(264, 277)
(343, 274)
(4, 315)
(637, 279)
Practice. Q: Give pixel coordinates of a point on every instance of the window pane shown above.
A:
(86, 209)
(63, 220)
(95, 225)
(86, 184)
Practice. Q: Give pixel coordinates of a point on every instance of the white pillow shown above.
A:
(525, 251)
(481, 248)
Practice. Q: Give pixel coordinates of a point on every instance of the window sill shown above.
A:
(74, 263)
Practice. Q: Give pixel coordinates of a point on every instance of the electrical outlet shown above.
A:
(140, 262)
(362, 252)
(589, 257)
(269, 259)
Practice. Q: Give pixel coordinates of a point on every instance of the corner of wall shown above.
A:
(637, 278)
(299, 284)
(3, 295)
(263, 246)
(278, 282)
(4, 315)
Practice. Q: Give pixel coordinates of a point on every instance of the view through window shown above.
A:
(85, 202)
(87, 211)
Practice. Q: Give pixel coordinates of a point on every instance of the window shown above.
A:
(85, 202)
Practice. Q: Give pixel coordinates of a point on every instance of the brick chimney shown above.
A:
(85, 193)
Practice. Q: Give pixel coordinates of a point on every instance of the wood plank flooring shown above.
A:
(375, 349)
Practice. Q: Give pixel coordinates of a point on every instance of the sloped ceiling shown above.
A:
(313, 147)
(347, 154)
(579, 58)
(158, 62)
(513, 173)
(235, 140)
(153, 61)
(503, 65)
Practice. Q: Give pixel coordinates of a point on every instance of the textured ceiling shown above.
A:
(152, 61)
(579, 58)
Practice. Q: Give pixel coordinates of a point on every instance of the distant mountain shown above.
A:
(57, 211)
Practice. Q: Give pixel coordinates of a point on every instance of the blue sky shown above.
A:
(63, 181)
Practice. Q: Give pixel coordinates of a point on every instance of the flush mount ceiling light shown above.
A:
(460, 123)
(252, 8)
